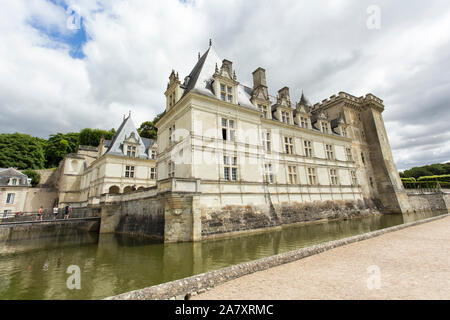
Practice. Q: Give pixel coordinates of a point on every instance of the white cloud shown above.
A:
(322, 47)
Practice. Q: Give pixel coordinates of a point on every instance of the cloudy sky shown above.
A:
(67, 65)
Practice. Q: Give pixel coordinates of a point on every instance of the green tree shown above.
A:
(91, 137)
(148, 128)
(34, 176)
(58, 145)
(21, 151)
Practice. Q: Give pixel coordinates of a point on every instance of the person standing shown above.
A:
(41, 212)
(55, 212)
(67, 212)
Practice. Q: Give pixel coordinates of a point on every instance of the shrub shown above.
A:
(33, 175)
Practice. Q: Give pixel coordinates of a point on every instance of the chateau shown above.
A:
(230, 158)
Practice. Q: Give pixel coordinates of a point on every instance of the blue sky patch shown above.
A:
(75, 38)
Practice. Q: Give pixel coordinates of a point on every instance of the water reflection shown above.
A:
(113, 264)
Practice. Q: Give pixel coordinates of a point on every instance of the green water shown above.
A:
(113, 264)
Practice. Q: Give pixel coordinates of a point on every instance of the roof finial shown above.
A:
(129, 113)
(199, 56)
(210, 42)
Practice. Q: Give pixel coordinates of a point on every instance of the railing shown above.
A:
(30, 216)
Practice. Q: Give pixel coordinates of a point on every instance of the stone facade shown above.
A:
(234, 158)
(123, 165)
(14, 187)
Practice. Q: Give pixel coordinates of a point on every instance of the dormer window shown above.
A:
(304, 122)
(226, 93)
(344, 131)
(285, 117)
(153, 154)
(131, 151)
(13, 182)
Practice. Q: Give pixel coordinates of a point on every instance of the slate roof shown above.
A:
(7, 173)
(201, 77)
(124, 132)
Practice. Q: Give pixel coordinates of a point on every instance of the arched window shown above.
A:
(114, 190)
(128, 189)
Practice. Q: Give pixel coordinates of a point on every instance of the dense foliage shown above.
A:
(91, 137)
(429, 170)
(58, 145)
(21, 151)
(33, 175)
(148, 129)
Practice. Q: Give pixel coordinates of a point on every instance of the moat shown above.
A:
(112, 264)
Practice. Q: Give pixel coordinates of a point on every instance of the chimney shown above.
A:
(228, 65)
(284, 93)
(259, 78)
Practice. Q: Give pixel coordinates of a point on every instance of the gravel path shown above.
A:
(413, 263)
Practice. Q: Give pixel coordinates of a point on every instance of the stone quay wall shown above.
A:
(231, 219)
(184, 288)
(139, 217)
(37, 230)
(423, 201)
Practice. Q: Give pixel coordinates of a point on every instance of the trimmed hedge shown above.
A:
(425, 184)
(444, 178)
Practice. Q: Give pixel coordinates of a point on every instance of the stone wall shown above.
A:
(139, 217)
(37, 197)
(245, 218)
(37, 230)
(422, 201)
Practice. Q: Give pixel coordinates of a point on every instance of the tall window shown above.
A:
(285, 117)
(289, 145)
(334, 177)
(267, 141)
(308, 148)
(228, 129)
(226, 93)
(171, 169)
(230, 168)
(312, 177)
(292, 174)
(330, 153)
(354, 179)
(263, 109)
(324, 127)
(131, 151)
(129, 171)
(304, 122)
(348, 152)
(152, 173)
(172, 135)
(10, 198)
(269, 173)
